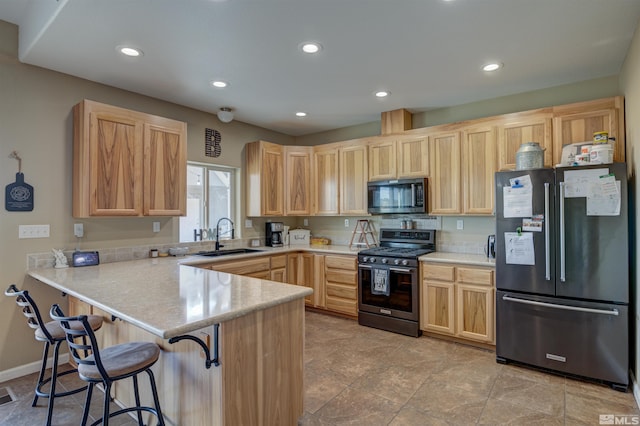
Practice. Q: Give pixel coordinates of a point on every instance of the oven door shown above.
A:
(402, 301)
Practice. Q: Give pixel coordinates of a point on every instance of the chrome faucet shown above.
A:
(218, 246)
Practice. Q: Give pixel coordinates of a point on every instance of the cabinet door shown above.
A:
(474, 309)
(479, 166)
(325, 181)
(353, 179)
(279, 268)
(165, 170)
(520, 129)
(115, 177)
(577, 123)
(272, 178)
(444, 182)
(298, 180)
(382, 160)
(413, 157)
(305, 274)
(264, 179)
(438, 307)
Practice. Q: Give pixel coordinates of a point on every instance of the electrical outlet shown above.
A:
(306, 222)
(78, 230)
(33, 231)
(460, 224)
(346, 223)
(156, 226)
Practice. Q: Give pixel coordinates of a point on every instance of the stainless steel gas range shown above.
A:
(388, 280)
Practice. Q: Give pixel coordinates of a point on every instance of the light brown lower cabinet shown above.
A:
(279, 268)
(458, 300)
(259, 352)
(341, 284)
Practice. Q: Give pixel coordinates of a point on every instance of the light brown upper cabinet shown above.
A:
(445, 178)
(353, 178)
(577, 123)
(478, 168)
(264, 174)
(326, 182)
(297, 180)
(382, 159)
(518, 128)
(127, 163)
(398, 157)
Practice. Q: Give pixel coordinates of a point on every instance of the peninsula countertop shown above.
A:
(166, 296)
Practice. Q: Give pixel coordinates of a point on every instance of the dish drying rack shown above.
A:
(365, 232)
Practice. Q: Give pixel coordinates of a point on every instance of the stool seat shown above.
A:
(121, 360)
(57, 333)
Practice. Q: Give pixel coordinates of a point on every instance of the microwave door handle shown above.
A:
(413, 195)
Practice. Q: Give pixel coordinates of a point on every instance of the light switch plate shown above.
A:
(33, 231)
(460, 224)
(78, 230)
(248, 223)
(346, 223)
(156, 226)
(305, 222)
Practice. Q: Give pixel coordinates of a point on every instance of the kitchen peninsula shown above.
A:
(260, 344)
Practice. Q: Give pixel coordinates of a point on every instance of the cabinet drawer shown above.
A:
(349, 307)
(438, 272)
(341, 262)
(343, 277)
(343, 291)
(279, 261)
(475, 276)
(243, 267)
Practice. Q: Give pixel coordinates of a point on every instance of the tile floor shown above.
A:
(362, 376)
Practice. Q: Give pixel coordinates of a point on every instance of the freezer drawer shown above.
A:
(574, 337)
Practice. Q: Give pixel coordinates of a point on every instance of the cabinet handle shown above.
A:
(547, 255)
(562, 241)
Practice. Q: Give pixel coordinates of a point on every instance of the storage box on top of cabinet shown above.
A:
(127, 163)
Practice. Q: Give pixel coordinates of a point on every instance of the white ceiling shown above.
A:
(428, 53)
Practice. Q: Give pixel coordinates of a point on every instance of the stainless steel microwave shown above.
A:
(397, 196)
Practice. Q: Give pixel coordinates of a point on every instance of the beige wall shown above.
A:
(35, 120)
(630, 86)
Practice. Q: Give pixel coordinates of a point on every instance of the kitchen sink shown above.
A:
(215, 253)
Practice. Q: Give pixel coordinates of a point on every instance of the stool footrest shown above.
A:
(209, 361)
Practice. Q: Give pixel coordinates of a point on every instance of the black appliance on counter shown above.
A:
(562, 270)
(388, 280)
(398, 196)
(274, 232)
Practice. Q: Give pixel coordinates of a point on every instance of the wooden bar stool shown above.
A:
(52, 335)
(109, 365)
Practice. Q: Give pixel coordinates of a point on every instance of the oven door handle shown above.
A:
(365, 267)
(404, 270)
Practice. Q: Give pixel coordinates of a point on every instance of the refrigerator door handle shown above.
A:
(547, 270)
(562, 240)
(614, 312)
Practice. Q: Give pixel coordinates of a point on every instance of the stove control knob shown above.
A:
(397, 261)
(372, 259)
(384, 260)
(365, 259)
(405, 262)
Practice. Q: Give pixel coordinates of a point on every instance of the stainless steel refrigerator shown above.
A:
(562, 270)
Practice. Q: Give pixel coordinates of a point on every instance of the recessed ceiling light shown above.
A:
(310, 47)
(493, 66)
(219, 83)
(301, 114)
(130, 51)
(382, 93)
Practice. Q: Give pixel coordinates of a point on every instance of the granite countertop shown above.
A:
(166, 296)
(464, 258)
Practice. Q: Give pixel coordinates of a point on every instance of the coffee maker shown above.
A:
(274, 234)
